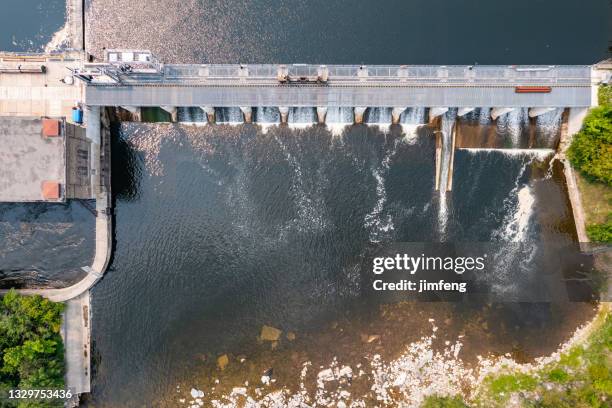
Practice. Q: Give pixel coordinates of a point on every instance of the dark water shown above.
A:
(353, 32)
(222, 229)
(45, 245)
(28, 25)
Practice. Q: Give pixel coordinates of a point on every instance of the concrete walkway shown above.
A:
(76, 335)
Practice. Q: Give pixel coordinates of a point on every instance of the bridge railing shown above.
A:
(452, 74)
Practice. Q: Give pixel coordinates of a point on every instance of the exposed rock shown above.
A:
(223, 361)
(196, 393)
(373, 337)
(269, 333)
(325, 375)
(345, 371)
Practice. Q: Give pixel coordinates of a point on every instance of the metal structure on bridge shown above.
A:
(134, 78)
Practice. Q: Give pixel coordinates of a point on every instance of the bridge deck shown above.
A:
(422, 86)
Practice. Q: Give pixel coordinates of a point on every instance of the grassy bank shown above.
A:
(581, 376)
(31, 348)
(591, 154)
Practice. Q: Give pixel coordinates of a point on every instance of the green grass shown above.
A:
(601, 232)
(444, 402)
(581, 378)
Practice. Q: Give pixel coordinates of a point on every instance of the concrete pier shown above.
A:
(535, 112)
(497, 112)
(464, 111)
(321, 114)
(396, 113)
(284, 113)
(172, 111)
(438, 159)
(359, 111)
(451, 165)
(135, 112)
(209, 111)
(435, 112)
(247, 113)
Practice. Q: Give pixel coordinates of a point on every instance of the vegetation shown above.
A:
(601, 232)
(443, 402)
(582, 378)
(605, 95)
(31, 348)
(591, 148)
(591, 153)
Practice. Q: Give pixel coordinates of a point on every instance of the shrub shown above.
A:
(31, 348)
(443, 402)
(591, 149)
(605, 95)
(601, 232)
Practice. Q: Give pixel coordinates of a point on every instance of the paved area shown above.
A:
(36, 93)
(76, 334)
(27, 159)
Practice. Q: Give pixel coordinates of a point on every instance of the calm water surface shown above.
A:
(28, 25)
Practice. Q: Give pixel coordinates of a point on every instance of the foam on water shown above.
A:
(413, 116)
(380, 225)
(539, 154)
(513, 123)
(229, 116)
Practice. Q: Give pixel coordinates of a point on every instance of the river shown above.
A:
(222, 229)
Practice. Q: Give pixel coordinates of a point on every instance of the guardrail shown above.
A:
(451, 74)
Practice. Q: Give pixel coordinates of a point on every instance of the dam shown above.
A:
(133, 79)
(280, 93)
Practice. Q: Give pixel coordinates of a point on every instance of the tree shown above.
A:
(31, 348)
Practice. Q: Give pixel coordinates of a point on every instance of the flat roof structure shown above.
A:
(31, 164)
(31, 84)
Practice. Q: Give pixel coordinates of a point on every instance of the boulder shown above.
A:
(223, 361)
(269, 333)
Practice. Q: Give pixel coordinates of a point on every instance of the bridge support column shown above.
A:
(172, 111)
(210, 113)
(321, 114)
(396, 113)
(435, 112)
(284, 113)
(247, 112)
(464, 111)
(135, 112)
(576, 116)
(497, 112)
(92, 124)
(359, 111)
(534, 112)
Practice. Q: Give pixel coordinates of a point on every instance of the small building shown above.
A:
(43, 159)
